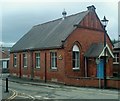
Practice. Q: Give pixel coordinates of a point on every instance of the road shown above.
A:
(27, 91)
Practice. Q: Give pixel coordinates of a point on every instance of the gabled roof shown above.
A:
(4, 54)
(50, 34)
(96, 50)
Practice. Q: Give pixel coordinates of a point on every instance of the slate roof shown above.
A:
(117, 45)
(94, 50)
(4, 52)
(49, 35)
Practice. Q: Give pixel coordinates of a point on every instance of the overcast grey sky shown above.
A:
(19, 16)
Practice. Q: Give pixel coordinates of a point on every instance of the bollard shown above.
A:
(7, 85)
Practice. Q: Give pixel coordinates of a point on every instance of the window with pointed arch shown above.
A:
(76, 57)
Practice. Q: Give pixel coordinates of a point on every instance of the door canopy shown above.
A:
(97, 50)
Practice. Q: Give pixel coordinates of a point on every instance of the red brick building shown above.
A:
(4, 59)
(63, 50)
(116, 60)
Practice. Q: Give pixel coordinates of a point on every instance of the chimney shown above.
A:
(64, 13)
(91, 8)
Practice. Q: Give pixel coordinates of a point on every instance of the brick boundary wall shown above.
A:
(83, 82)
(92, 82)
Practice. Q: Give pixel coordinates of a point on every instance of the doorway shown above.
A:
(100, 69)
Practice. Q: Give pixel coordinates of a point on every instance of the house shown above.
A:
(116, 60)
(64, 50)
(4, 59)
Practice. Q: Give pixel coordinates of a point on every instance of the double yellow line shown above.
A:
(13, 95)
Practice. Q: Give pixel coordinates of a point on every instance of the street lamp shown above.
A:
(104, 22)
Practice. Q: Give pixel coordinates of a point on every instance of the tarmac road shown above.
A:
(28, 91)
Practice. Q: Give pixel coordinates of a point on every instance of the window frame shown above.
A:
(4, 64)
(37, 58)
(25, 59)
(15, 60)
(116, 58)
(75, 57)
(53, 60)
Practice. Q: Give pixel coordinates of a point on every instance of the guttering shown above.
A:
(35, 49)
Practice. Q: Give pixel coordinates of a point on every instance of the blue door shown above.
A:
(100, 69)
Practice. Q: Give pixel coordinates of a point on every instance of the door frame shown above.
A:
(100, 69)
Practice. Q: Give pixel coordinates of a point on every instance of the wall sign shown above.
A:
(60, 57)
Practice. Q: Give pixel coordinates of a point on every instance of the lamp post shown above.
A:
(104, 22)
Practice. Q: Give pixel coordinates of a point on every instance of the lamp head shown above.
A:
(104, 21)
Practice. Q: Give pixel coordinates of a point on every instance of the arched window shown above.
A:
(76, 57)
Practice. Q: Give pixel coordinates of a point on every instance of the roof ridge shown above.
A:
(59, 18)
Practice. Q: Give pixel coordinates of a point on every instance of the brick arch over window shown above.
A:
(76, 43)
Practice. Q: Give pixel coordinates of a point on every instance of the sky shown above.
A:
(17, 17)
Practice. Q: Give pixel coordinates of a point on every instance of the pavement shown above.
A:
(29, 81)
(7, 95)
(3, 93)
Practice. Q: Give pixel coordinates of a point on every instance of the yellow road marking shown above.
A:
(13, 96)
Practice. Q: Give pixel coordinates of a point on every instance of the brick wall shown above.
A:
(84, 37)
(4, 54)
(39, 73)
(92, 82)
(116, 67)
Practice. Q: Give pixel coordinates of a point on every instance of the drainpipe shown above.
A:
(85, 67)
(45, 68)
(31, 65)
(20, 65)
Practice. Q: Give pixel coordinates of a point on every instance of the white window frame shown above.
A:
(76, 51)
(25, 59)
(53, 56)
(37, 58)
(116, 57)
(15, 60)
(4, 64)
